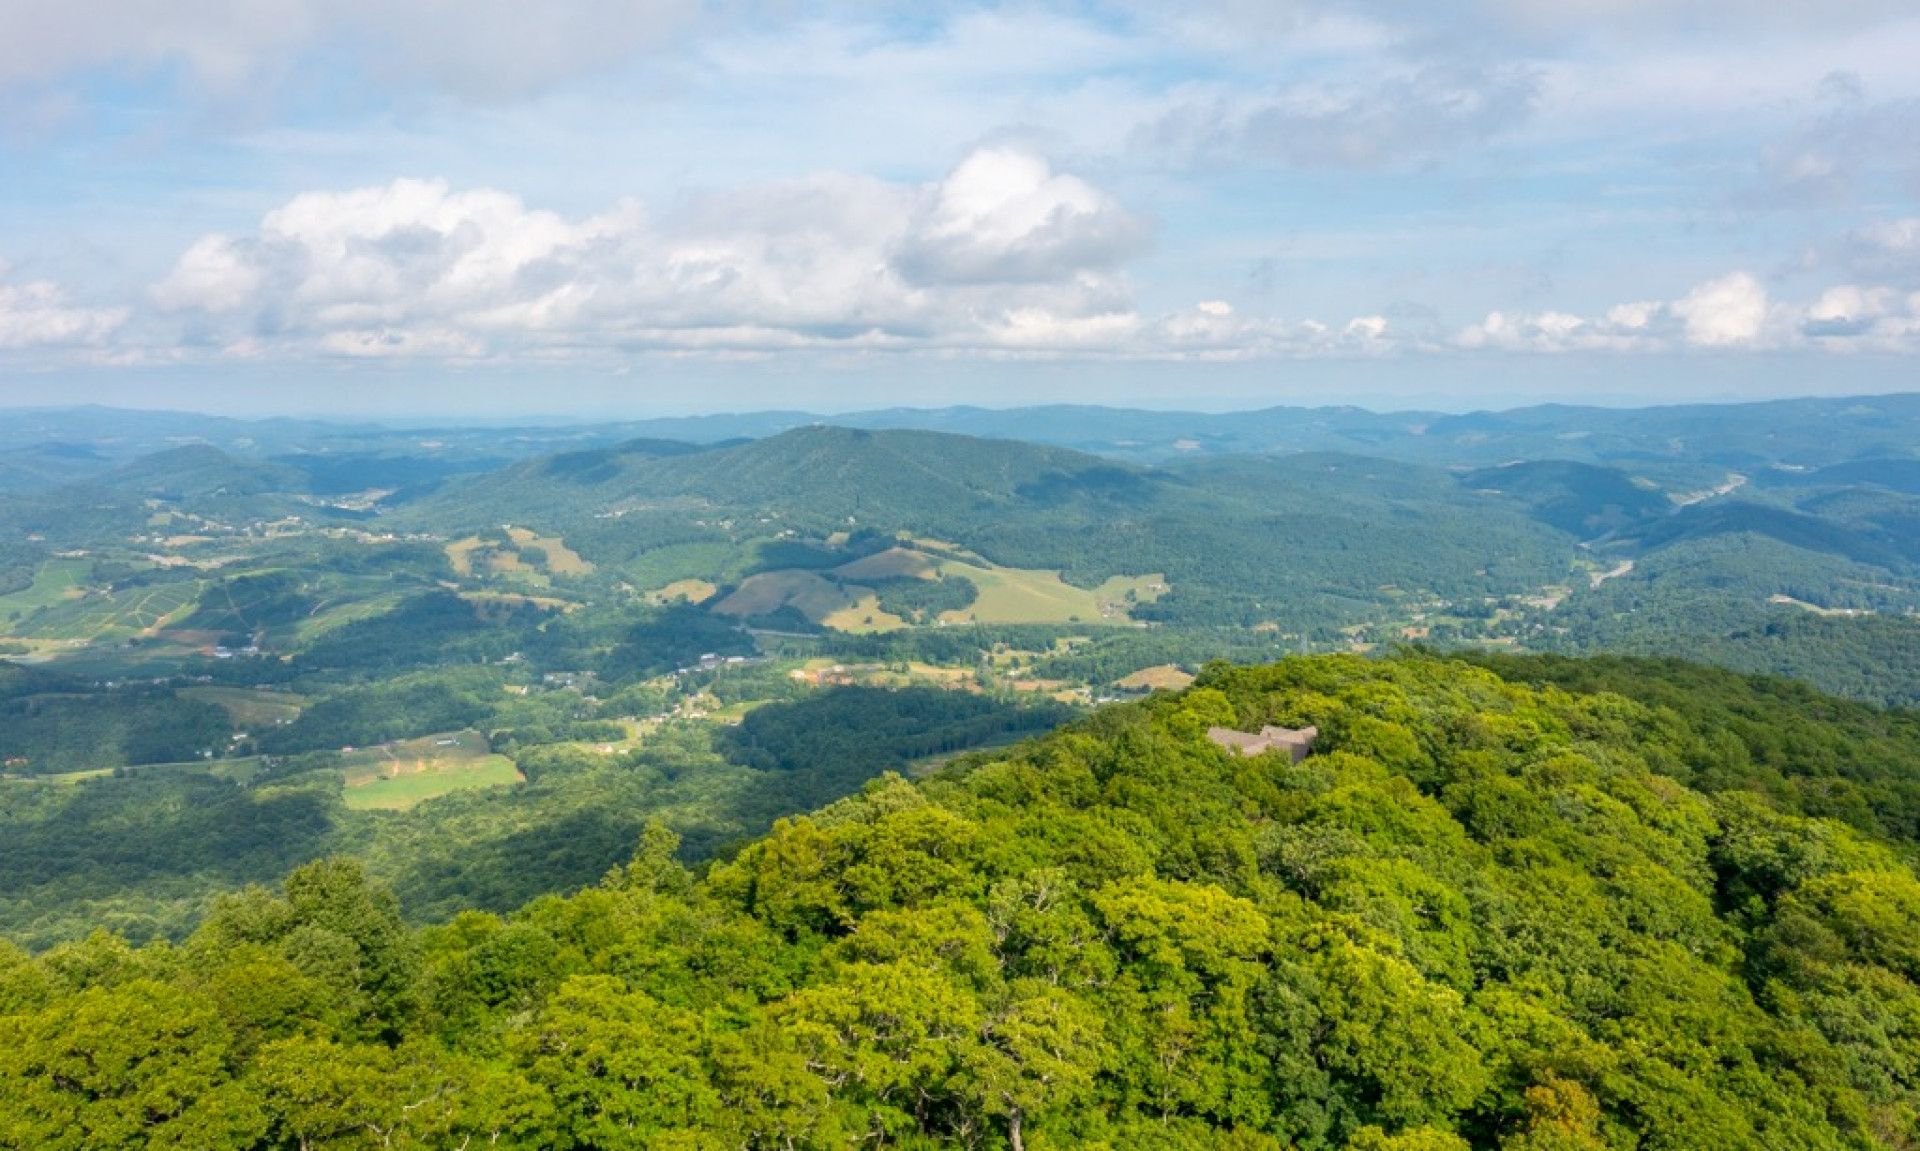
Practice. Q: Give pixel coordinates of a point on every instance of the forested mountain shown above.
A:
(280, 640)
(198, 470)
(1481, 914)
(1242, 541)
(1584, 500)
(823, 474)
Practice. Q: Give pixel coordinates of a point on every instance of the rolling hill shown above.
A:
(1584, 500)
(1242, 539)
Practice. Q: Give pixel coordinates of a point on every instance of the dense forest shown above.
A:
(1540, 904)
(146, 852)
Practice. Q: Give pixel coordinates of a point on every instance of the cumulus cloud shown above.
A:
(1002, 252)
(1727, 312)
(1554, 331)
(1004, 216)
(1003, 256)
(1215, 330)
(37, 314)
(1731, 313)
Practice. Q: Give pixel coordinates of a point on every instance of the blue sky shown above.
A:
(423, 206)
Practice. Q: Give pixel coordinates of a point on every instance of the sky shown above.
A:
(638, 207)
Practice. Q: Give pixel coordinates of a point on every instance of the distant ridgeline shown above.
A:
(1777, 537)
(1538, 905)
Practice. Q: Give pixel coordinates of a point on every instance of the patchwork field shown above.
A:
(845, 607)
(59, 607)
(397, 776)
(694, 591)
(530, 555)
(56, 580)
(1006, 595)
(554, 555)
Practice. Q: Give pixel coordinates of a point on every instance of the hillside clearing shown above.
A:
(249, 708)
(694, 591)
(894, 563)
(1028, 595)
(397, 776)
(1165, 677)
(527, 556)
(844, 607)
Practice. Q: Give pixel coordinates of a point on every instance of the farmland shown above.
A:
(516, 552)
(1165, 677)
(1007, 595)
(695, 591)
(397, 776)
(60, 606)
(56, 580)
(846, 607)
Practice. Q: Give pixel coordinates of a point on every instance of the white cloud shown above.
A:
(1002, 252)
(37, 314)
(1003, 256)
(1733, 312)
(1004, 216)
(1215, 330)
(1726, 312)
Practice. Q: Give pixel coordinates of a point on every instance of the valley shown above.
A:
(601, 620)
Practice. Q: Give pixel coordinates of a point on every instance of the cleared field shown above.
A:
(683, 590)
(248, 708)
(862, 616)
(529, 553)
(56, 580)
(847, 608)
(88, 615)
(894, 563)
(1028, 595)
(477, 556)
(345, 609)
(1165, 677)
(560, 559)
(460, 554)
(1006, 595)
(397, 776)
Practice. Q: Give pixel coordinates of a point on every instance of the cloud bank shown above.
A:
(1004, 252)
(1731, 313)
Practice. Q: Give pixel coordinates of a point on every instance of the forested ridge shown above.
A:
(1489, 911)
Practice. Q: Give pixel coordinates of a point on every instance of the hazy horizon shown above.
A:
(532, 417)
